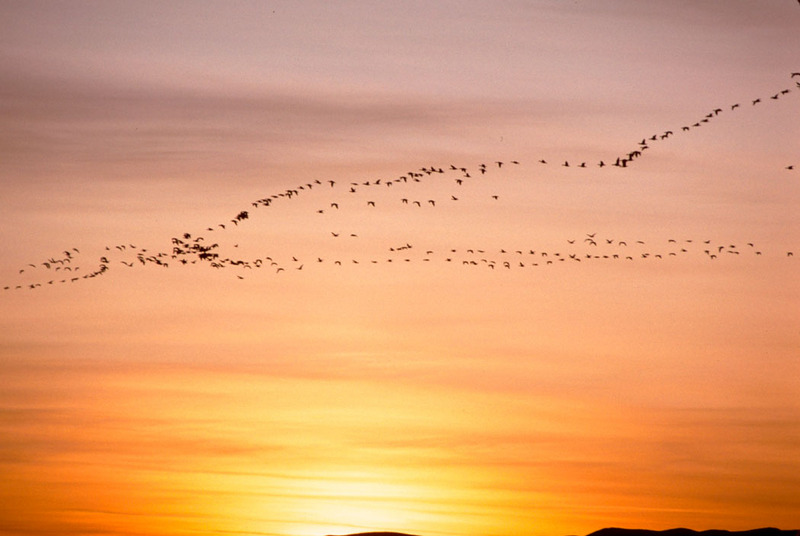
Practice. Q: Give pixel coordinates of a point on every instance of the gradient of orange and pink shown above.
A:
(440, 397)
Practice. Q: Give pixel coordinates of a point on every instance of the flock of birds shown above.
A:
(201, 248)
(646, 142)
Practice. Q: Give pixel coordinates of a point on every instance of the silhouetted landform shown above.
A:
(379, 534)
(328, 197)
(613, 531)
(768, 531)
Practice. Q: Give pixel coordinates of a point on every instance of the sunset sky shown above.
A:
(526, 348)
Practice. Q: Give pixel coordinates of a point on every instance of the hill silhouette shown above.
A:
(767, 531)
(613, 531)
(379, 534)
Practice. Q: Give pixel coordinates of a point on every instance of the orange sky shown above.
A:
(538, 349)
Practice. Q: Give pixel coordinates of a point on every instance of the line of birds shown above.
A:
(193, 249)
(593, 248)
(196, 249)
(647, 141)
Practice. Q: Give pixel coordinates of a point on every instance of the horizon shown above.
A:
(618, 531)
(301, 268)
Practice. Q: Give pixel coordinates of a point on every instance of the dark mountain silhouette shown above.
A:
(613, 531)
(768, 531)
(379, 534)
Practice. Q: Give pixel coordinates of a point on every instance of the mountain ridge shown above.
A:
(616, 531)
(764, 531)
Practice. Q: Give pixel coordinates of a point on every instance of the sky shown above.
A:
(262, 274)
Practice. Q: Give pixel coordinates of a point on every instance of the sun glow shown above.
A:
(343, 503)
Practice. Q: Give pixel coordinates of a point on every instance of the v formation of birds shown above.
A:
(202, 248)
